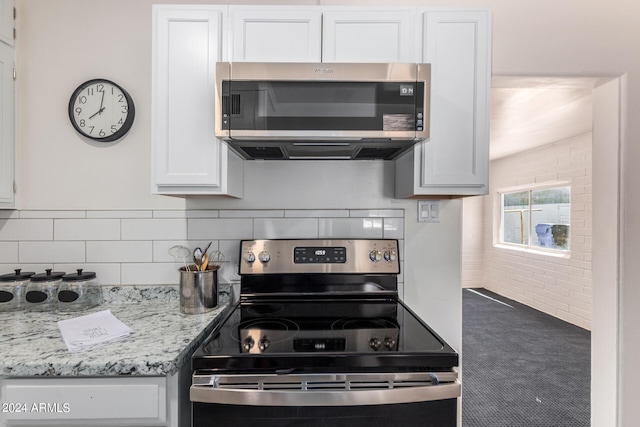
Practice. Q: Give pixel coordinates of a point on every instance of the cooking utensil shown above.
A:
(205, 262)
(197, 258)
(216, 258)
(206, 248)
(180, 252)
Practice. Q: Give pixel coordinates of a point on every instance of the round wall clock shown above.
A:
(101, 110)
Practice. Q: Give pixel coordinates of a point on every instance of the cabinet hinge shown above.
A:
(15, 14)
(15, 187)
(15, 75)
(14, 33)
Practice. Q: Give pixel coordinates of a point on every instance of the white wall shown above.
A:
(558, 286)
(473, 234)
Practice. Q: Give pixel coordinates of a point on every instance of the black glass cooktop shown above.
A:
(328, 335)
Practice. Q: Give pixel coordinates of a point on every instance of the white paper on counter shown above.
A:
(86, 332)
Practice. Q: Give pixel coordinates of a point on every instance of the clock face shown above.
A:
(101, 110)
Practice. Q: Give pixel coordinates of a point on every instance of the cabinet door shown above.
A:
(7, 140)
(187, 157)
(6, 21)
(455, 159)
(369, 36)
(125, 401)
(276, 35)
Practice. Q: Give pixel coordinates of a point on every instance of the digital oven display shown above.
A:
(320, 255)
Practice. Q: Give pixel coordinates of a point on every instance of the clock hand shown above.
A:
(101, 107)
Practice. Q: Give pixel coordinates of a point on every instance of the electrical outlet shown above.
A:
(429, 211)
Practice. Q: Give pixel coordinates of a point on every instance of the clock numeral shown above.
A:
(82, 123)
(114, 128)
(125, 108)
(91, 129)
(90, 91)
(120, 122)
(78, 110)
(121, 98)
(82, 99)
(102, 133)
(100, 87)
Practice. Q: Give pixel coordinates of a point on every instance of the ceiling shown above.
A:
(529, 112)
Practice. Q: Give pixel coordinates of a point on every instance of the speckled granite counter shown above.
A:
(162, 341)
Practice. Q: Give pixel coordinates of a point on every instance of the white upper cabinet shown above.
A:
(7, 8)
(276, 35)
(7, 138)
(455, 159)
(369, 36)
(187, 158)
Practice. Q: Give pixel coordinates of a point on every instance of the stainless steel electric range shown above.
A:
(319, 337)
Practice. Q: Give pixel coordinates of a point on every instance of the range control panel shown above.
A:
(285, 256)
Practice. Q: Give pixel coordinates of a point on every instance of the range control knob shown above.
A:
(249, 257)
(264, 257)
(389, 343)
(374, 343)
(247, 344)
(263, 344)
(375, 256)
(390, 255)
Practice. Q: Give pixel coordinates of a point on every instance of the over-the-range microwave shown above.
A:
(322, 110)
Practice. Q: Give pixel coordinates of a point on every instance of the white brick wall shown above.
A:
(131, 247)
(558, 286)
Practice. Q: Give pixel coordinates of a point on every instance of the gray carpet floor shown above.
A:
(522, 367)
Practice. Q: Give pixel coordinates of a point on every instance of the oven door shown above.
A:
(409, 399)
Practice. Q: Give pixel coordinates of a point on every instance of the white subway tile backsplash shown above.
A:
(150, 274)
(154, 229)
(52, 214)
(86, 229)
(326, 213)
(132, 247)
(393, 228)
(370, 228)
(251, 214)
(119, 251)
(26, 229)
(51, 252)
(119, 214)
(377, 213)
(285, 228)
(201, 213)
(9, 214)
(8, 252)
(221, 228)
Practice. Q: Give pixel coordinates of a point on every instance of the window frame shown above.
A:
(527, 247)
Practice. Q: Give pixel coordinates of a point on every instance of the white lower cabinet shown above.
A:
(187, 158)
(455, 159)
(96, 401)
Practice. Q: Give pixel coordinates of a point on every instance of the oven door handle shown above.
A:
(230, 396)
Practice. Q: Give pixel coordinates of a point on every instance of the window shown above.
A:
(536, 218)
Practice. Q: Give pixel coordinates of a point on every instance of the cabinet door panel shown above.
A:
(456, 45)
(6, 21)
(368, 36)
(7, 141)
(276, 35)
(188, 44)
(104, 401)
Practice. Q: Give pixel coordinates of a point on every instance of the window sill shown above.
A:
(551, 253)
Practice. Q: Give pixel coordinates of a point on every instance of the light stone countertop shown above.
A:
(162, 342)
